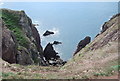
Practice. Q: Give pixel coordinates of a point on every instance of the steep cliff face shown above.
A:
(20, 39)
(9, 50)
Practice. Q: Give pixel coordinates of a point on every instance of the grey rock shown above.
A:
(9, 49)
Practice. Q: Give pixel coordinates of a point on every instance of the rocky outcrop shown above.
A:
(83, 43)
(48, 33)
(9, 49)
(21, 40)
(36, 36)
(112, 35)
(50, 53)
(56, 42)
(112, 21)
(52, 57)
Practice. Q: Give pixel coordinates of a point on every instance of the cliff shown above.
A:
(20, 39)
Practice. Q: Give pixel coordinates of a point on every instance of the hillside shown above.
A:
(98, 59)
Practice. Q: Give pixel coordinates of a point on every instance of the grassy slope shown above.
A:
(99, 63)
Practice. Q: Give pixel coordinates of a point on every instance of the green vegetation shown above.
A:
(0, 13)
(31, 72)
(85, 77)
(7, 74)
(20, 37)
(22, 75)
(11, 19)
(116, 67)
(101, 74)
(12, 22)
(110, 71)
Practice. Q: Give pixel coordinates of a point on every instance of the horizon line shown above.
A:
(59, 0)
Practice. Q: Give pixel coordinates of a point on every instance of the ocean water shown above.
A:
(71, 21)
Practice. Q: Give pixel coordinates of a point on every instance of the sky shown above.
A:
(59, 0)
(71, 21)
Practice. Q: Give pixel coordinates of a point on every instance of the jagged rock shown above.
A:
(27, 47)
(48, 33)
(37, 40)
(56, 42)
(58, 62)
(52, 57)
(24, 57)
(49, 52)
(83, 43)
(112, 36)
(106, 25)
(9, 49)
(108, 37)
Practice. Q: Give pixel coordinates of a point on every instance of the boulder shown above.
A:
(48, 33)
(104, 27)
(56, 42)
(83, 43)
